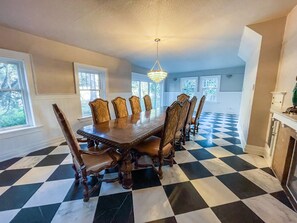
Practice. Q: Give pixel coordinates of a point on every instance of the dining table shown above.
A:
(124, 133)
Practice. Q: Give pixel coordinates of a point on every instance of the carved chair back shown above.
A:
(183, 115)
(182, 97)
(100, 110)
(200, 107)
(120, 107)
(135, 104)
(147, 103)
(191, 109)
(69, 136)
(170, 124)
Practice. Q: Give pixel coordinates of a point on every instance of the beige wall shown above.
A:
(257, 88)
(288, 63)
(53, 63)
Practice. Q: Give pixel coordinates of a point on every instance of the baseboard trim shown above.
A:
(256, 150)
(30, 148)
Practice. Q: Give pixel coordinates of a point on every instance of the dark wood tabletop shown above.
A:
(128, 131)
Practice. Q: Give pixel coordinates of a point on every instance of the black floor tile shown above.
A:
(44, 151)
(195, 170)
(63, 144)
(165, 220)
(201, 154)
(236, 212)
(282, 197)
(209, 136)
(41, 214)
(62, 172)
(16, 196)
(234, 149)
(234, 134)
(9, 177)
(238, 164)
(76, 191)
(144, 178)
(183, 198)
(56, 159)
(115, 208)
(240, 186)
(268, 170)
(7, 163)
(231, 128)
(206, 143)
(233, 140)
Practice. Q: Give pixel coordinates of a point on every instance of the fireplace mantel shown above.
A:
(286, 119)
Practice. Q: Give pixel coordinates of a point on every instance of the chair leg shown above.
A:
(76, 174)
(161, 161)
(85, 184)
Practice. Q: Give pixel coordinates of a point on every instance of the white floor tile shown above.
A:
(61, 150)
(26, 162)
(68, 160)
(221, 135)
(173, 175)
(50, 192)
(213, 191)
(76, 211)
(111, 188)
(184, 157)
(270, 209)
(36, 175)
(7, 216)
(219, 152)
(264, 180)
(217, 166)
(191, 145)
(150, 204)
(204, 216)
(255, 160)
(3, 189)
(221, 142)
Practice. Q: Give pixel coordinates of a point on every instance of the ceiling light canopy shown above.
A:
(157, 74)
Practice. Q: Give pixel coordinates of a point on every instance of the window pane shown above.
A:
(153, 93)
(85, 97)
(144, 89)
(189, 86)
(158, 95)
(12, 111)
(135, 88)
(9, 77)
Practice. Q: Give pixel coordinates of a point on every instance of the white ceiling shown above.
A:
(195, 34)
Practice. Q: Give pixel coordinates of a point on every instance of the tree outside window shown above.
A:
(210, 86)
(189, 85)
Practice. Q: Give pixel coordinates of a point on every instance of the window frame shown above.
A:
(218, 77)
(145, 78)
(25, 74)
(187, 78)
(79, 67)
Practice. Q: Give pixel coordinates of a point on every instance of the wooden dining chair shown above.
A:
(135, 104)
(179, 136)
(86, 162)
(195, 120)
(187, 129)
(100, 111)
(183, 97)
(147, 103)
(161, 148)
(120, 107)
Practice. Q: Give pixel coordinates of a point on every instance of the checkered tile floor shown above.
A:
(212, 180)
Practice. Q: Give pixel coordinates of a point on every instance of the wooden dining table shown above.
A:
(124, 134)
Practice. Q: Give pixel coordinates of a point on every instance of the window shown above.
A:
(142, 85)
(91, 85)
(189, 85)
(15, 109)
(210, 86)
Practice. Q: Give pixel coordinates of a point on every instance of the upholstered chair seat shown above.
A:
(151, 145)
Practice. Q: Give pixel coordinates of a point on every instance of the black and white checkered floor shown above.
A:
(212, 181)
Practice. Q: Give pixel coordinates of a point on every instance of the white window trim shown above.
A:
(103, 83)
(143, 77)
(219, 85)
(187, 78)
(27, 81)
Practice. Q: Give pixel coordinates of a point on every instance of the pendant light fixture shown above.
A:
(157, 74)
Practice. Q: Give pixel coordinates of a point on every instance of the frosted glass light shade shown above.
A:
(157, 75)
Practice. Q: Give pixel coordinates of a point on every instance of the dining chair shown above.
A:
(179, 136)
(120, 107)
(100, 111)
(183, 97)
(86, 162)
(195, 120)
(160, 149)
(147, 103)
(135, 104)
(187, 129)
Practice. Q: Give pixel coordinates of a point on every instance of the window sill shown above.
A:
(19, 132)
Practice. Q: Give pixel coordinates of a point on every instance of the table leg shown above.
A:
(126, 169)
(91, 143)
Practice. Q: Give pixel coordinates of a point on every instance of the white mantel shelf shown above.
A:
(289, 120)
